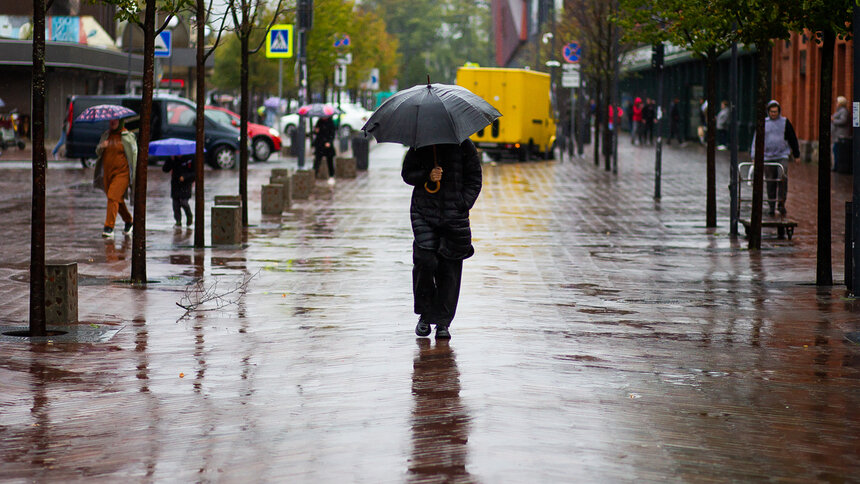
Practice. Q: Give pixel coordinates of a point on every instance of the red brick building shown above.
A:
(795, 82)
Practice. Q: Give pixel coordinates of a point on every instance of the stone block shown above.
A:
(322, 172)
(344, 167)
(226, 225)
(61, 293)
(228, 200)
(273, 199)
(287, 183)
(303, 184)
(280, 173)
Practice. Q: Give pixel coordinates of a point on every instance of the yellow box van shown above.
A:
(527, 127)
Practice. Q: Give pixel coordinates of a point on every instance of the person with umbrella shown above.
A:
(324, 132)
(180, 164)
(115, 166)
(444, 168)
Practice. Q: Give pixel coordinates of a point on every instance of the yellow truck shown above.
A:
(527, 127)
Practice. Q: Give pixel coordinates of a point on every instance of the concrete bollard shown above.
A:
(303, 184)
(61, 293)
(322, 172)
(273, 199)
(228, 200)
(280, 172)
(286, 182)
(226, 225)
(344, 167)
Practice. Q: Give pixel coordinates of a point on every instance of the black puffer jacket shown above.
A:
(180, 166)
(440, 221)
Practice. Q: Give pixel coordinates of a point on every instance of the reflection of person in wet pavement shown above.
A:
(440, 424)
(447, 181)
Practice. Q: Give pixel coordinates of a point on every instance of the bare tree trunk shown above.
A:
(824, 264)
(711, 203)
(763, 85)
(199, 193)
(37, 223)
(243, 123)
(138, 245)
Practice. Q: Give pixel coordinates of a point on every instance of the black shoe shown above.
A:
(782, 210)
(423, 327)
(190, 221)
(442, 332)
(107, 232)
(128, 228)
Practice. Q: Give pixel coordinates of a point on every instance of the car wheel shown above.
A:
(224, 158)
(88, 162)
(290, 130)
(262, 149)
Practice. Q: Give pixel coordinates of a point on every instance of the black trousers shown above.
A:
(435, 285)
(181, 203)
(329, 159)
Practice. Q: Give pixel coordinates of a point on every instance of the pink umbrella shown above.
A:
(317, 110)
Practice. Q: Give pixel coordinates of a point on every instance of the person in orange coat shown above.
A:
(114, 173)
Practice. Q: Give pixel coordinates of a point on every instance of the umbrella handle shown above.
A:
(436, 165)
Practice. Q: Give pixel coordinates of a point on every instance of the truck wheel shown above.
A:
(262, 149)
(223, 158)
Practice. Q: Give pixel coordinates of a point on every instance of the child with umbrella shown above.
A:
(180, 164)
(324, 132)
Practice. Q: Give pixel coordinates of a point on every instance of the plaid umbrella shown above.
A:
(317, 110)
(104, 112)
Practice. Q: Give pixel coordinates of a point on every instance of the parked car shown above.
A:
(264, 140)
(172, 117)
(352, 118)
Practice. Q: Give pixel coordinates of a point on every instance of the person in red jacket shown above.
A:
(637, 120)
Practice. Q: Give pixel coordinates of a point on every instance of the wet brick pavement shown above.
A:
(601, 337)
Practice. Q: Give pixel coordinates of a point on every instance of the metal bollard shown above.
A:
(361, 151)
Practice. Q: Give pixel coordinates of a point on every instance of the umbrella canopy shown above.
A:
(430, 114)
(104, 112)
(317, 110)
(172, 147)
(272, 102)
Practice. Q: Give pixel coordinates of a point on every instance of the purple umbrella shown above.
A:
(172, 147)
(104, 112)
(272, 102)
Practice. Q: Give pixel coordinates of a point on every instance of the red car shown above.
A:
(264, 140)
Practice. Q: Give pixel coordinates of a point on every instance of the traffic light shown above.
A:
(305, 14)
(657, 56)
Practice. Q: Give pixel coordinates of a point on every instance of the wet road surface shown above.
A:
(601, 337)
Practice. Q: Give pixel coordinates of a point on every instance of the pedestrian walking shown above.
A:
(675, 122)
(447, 181)
(780, 142)
(649, 115)
(114, 173)
(62, 140)
(723, 126)
(182, 175)
(841, 133)
(636, 129)
(324, 132)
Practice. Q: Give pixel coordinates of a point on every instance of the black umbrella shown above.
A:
(430, 114)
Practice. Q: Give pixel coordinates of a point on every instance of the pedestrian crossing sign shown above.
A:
(279, 41)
